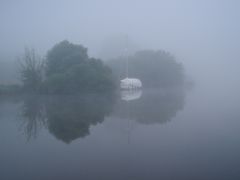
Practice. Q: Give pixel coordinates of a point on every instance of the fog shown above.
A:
(163, 130)
(204, 35)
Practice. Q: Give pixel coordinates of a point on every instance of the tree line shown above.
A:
(154, 68)
(68, 69)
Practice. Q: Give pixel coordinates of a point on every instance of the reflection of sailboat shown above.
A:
(130, 83)
(129, 95)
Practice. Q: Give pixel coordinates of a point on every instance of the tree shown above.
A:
(69, 70)
(63, 56)
(31, 69)
(153, 68)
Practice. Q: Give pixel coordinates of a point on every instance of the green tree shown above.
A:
(64, 55)
(70, 70)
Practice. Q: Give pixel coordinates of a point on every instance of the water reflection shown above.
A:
(70, 117)
(33, 115)
(154, 106)
(129, 95)
(66, 117)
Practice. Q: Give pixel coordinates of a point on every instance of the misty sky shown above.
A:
(204, 35)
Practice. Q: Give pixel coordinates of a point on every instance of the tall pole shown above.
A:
(126, 56)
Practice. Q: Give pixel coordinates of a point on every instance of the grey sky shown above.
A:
(200, 33)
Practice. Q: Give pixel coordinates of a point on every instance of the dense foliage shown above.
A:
(67, 69)
(70, 70)
(153, 68)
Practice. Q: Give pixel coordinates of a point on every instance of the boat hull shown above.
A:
(131, 83)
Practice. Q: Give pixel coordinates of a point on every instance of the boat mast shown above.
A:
(126, 51)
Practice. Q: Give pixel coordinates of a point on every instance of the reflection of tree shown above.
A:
(70, 117)
(155, 106)
(34, 115)
(66, 117)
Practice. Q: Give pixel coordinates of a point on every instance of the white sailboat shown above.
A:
(130, 83)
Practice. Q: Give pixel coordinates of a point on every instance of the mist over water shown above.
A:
(186, 131)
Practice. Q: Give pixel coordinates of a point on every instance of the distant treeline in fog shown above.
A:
(68, 69)
(153, 68)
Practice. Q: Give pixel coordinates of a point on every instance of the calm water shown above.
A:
(152, 134)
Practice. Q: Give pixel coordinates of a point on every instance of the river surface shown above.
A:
(148, 134)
